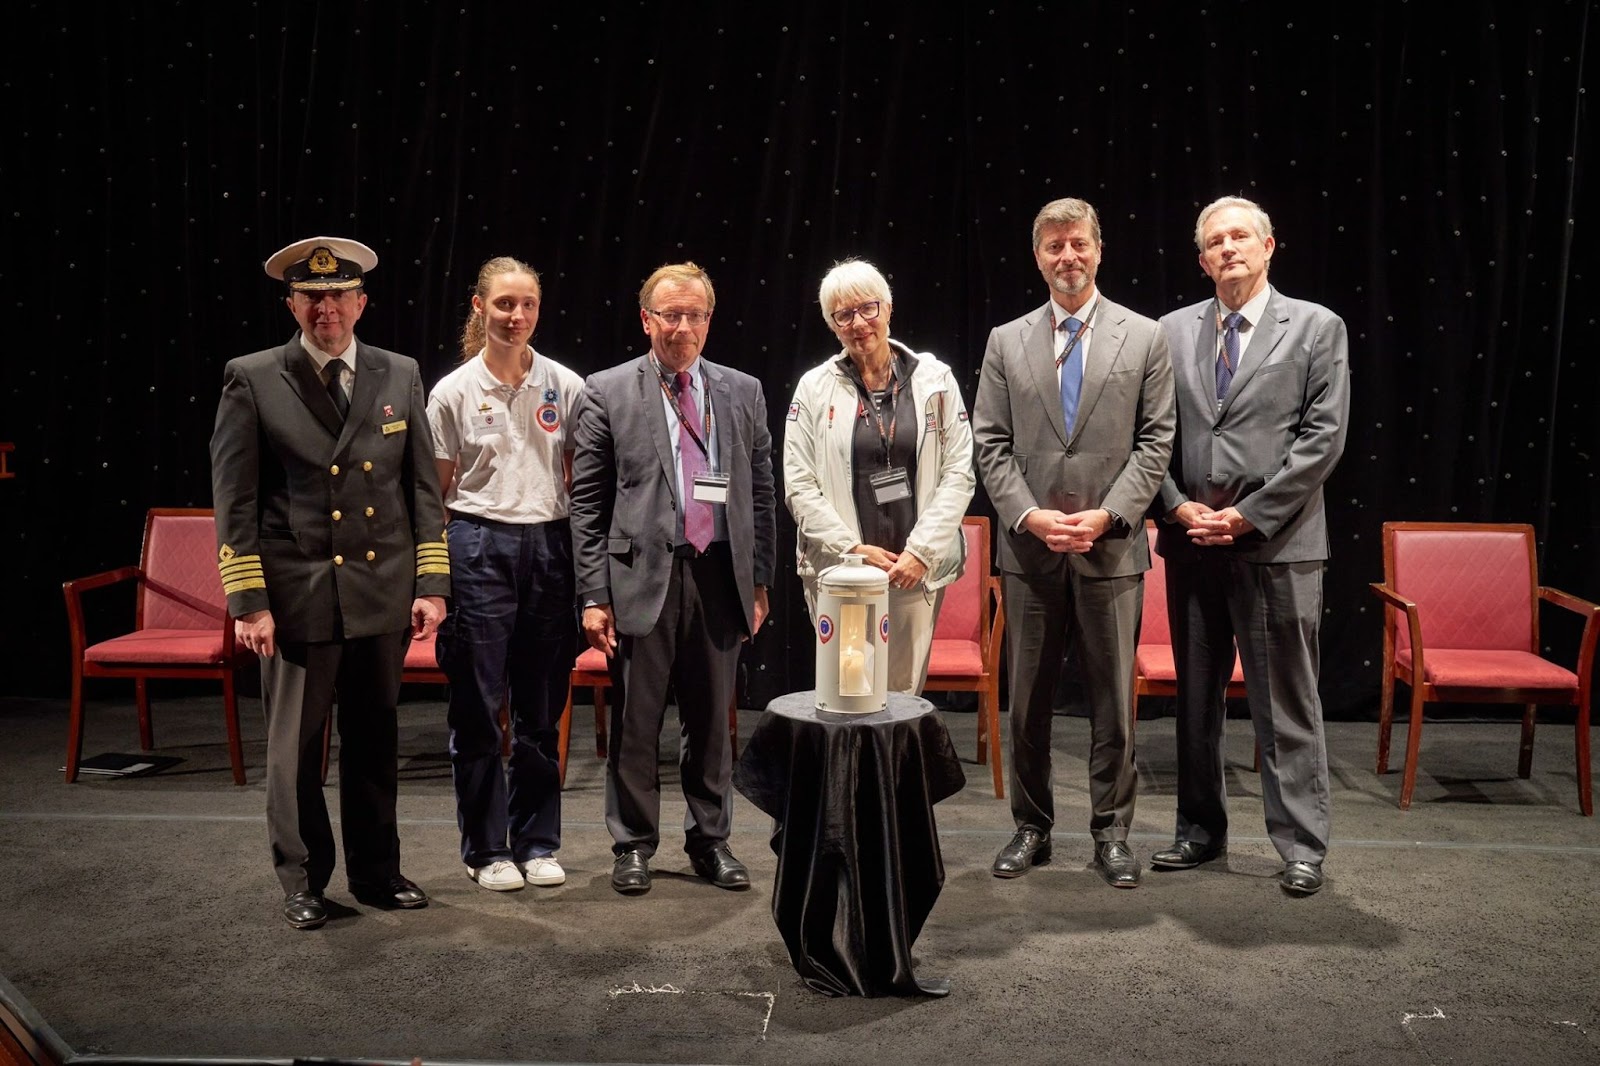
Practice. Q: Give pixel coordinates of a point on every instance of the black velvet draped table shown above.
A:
(859, 866)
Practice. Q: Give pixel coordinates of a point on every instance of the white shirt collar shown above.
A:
(1059, 314)
(322, 358)
(1254, 308)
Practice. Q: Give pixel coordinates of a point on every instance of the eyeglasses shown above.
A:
(868, 311)
(670, 319)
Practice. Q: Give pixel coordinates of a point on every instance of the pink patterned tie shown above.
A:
(698, 522)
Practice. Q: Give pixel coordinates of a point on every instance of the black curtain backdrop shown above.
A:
(1424, 171)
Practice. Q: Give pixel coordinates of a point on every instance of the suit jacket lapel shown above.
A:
(656, 418)
(721, 412)
(1038, 351)
(1106, 338)
(372, 377)
(1269, 332)
(301, 374)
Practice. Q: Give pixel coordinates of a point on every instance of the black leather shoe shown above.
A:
(1301, 878)
(630, 874)
(1027, 849)
(304, 910)
(1116, 864)
(720, 868)
(1186, 854)
(397, 893)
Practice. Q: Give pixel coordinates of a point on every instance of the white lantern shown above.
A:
(852, 626)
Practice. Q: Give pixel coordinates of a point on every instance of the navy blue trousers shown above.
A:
(511, 629)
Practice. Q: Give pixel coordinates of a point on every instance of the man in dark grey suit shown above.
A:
(674, 541)
(330, 543)
(1263, 396)
(1073, 427)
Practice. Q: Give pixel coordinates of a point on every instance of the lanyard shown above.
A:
(1077, 337)
(672, 401)
(887, 439)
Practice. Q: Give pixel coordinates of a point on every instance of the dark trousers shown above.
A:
(1101, 615)
(510, 627)
(694, 647)
(298, 687)
(1274, 611)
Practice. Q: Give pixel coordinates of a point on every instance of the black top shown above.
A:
(872, 451)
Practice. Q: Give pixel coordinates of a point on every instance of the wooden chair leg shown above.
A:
(75, 724)
(1585, 785)
(141, 698)
(601, 749)
(1408, 783)
(230, 715)
(990, 706)
(1525, 753)
(564, 737)
(1385, 718)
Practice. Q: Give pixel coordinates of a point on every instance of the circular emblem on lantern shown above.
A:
(883, 629)
(549, 418)
(825, 628)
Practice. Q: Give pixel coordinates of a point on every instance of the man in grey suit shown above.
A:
(674, 541)
(1073, 426)
(1263, 395)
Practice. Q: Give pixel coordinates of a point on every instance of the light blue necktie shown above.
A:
(1071, 372)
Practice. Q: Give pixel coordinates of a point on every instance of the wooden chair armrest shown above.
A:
(1413, 627)
(1568, 600)
(1591, 628)
(73, 591)
(997, 627)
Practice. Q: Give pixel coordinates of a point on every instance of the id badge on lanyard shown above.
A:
(890, 485)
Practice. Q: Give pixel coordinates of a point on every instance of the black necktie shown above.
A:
(341, 402)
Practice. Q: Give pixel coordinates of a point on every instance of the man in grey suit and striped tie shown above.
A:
(1073, 428)
(1263, 386)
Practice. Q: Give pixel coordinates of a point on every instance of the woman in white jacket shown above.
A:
(877, 461)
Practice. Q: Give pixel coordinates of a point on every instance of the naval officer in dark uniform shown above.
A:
(330, 541)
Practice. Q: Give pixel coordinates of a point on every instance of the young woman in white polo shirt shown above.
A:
(500, 426)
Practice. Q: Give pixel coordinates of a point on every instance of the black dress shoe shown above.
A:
(304, 910)
(630, 874)
(1301, 878)
(720, 868)
(1186, 854)
(397, 893)
(1116, 863)
(1027, 849)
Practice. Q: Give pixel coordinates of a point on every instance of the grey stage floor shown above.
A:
(141, 918)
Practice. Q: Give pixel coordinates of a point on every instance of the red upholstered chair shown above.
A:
(590, 672)
(1155, 671)
(965, 656)
(181, 627)
(1469, 596)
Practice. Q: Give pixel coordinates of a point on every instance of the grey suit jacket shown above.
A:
(1115, 457)
(625, 506)
(1279, 432)
(334, 528)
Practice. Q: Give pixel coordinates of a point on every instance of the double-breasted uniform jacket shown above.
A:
(335, 529)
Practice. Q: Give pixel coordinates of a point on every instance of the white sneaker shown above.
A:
(501, 875)
(543, 870)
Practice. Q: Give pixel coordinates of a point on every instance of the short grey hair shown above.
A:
(853, 278)
(1263, 224)
(1065, 212)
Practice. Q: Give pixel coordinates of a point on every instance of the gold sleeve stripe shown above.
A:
(237, 569)
(238, 561)
(431, 545)
(432, 568)
(230, 587)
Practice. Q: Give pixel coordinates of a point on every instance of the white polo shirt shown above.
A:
(508, 444)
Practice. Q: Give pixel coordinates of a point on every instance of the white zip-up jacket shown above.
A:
(817, 446)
